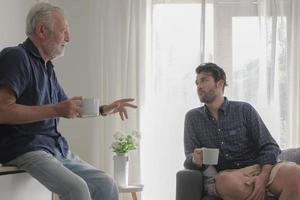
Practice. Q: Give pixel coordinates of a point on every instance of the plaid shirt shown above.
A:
(239, 133)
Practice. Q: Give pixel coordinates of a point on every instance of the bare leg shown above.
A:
(231, 185)
(133, 194)
(286, 183)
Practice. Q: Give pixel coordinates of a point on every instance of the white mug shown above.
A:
(89, 107)
(210, 156)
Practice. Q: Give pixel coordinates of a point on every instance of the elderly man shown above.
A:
(31, 103)
(248, 166)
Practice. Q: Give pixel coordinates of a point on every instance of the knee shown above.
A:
(112, 184)
(108, 181)
(80, 186)
(222, 178)
(292, 178)
(76, 189)
(107, 187)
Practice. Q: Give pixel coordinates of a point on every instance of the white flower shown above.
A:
(114, 145)
(136, 134)
(125, 142)
(119, 135)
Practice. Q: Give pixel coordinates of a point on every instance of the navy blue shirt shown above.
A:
(239, 133)
(23, 70)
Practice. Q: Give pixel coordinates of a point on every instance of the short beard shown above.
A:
(56, 52)
(53, 50)
(208, 98)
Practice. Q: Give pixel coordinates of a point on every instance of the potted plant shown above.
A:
(123, 143)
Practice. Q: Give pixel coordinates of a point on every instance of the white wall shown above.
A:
(12, 21)
(79, 76)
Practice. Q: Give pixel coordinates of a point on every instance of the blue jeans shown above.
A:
(69, 177)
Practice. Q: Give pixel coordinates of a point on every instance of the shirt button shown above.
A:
(238, 164)
(222, 143)
(219, 130)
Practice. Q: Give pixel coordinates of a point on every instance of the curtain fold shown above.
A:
(121, 46)
(273, 67)
(258, 71)
(279, 26)
(294, 71)
(175, 1)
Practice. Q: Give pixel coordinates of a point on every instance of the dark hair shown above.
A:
(216, 72)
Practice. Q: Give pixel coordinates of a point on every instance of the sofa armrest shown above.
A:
(189, 185)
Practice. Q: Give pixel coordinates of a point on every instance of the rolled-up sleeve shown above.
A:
(268, 149)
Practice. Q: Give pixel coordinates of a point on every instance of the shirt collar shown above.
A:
(224, 107)
(33, 50)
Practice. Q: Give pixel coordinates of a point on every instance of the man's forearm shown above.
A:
(21, 114)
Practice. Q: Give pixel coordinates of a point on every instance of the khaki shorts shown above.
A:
(254, 170)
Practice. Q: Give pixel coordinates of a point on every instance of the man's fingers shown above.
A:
(197, 156)
(124, 100)
(111, 108)
(248, 183)
(198, 151)
(129, 105)
(121, 115)
(125, 114)
(254, 196)
(76, 98)
(251, 181)
(120, 107)
(115, 106)
(77, 102)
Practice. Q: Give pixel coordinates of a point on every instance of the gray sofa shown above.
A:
(189, 182)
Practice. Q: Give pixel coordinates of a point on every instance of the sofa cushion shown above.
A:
(292, 154)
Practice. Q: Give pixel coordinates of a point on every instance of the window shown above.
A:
(251, 51)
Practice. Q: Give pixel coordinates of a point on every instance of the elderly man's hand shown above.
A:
(119, 106)
(69, 108)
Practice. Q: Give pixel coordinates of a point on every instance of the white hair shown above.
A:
(40, 13)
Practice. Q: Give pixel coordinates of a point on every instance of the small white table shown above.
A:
(133, 189)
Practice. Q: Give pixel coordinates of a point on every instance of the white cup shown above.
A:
(89, 107)
(210, 156)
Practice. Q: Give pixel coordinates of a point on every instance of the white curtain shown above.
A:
(253, 43)
(120, 44)
(294, 72)
(256, 42)
(169, 93)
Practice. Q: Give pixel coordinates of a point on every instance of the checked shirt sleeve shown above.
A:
(190, 142)
(268, 149)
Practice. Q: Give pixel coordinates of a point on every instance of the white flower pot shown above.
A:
(121, 169)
